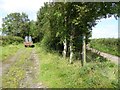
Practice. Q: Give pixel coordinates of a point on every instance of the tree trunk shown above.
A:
(65, 48)
(84, 51)
(71, 49)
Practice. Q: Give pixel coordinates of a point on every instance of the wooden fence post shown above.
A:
(84, 51)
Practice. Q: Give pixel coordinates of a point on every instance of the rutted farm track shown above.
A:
(21, 70)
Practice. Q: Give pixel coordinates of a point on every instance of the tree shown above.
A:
(33, 31)
(16, 24)
(71, 21)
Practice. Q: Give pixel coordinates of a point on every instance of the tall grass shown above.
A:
(8, 50)
(56, 72)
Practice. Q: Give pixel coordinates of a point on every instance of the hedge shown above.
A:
(5, 40)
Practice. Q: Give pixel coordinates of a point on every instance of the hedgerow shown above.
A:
(5, 40)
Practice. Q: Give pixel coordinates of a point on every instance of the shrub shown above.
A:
(5, 40)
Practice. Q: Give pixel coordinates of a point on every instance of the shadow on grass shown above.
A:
(93, 57)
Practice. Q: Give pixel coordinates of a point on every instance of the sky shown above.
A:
(106, 28)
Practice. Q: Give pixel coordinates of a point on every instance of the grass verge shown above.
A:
(17, 71)
(9, 50)
(56, 72)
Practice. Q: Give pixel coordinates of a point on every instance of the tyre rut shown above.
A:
(30, 80)
(4, 66)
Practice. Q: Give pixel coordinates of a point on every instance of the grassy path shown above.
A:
(32, 70)
(21, 70)
(16, 70)
(8, 62)
(7, 53)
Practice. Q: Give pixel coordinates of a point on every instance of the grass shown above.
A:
(17, 71)
(8, 50)
(110, 49)
(106, 45)
(56, 72)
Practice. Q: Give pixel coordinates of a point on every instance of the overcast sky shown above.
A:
(107, 28)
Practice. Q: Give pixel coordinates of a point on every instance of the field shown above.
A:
(109, 45)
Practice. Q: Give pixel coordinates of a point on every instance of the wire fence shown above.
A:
(91, 57)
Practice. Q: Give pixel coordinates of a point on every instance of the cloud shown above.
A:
(107, 28)
(9, 6)
(21, 5)
(30, 7)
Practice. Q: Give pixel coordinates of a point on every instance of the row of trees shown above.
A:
(65, 24)
(61, 25)
(18, 24)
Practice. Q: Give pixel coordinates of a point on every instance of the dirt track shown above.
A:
(7, 63)
(31, 71)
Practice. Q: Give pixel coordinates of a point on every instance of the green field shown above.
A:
(109, 45)
(56, 72)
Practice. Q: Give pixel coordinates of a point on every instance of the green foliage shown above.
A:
(57, 21)
(109, 45)
(34, 32)
(100, 75)
(8, 50)
(93, 57)
(16, 24)
(56, 72)
(5, 40)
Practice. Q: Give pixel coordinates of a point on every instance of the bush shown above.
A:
(5, 40)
